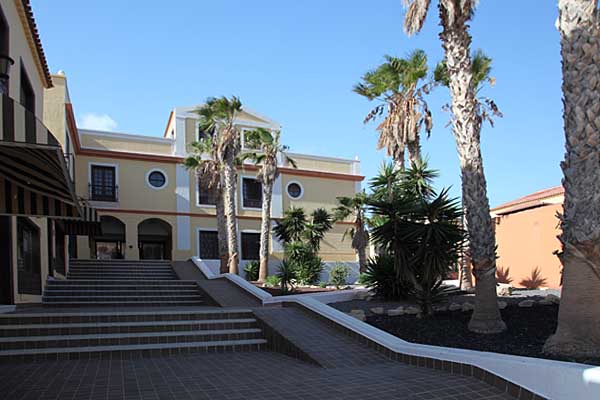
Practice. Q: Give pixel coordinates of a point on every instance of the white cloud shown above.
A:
(99, 122)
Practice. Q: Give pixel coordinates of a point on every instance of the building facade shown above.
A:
(527, 232)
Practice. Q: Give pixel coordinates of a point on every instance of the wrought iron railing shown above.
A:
(103, 192)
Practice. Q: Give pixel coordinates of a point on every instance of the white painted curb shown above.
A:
(554, 380)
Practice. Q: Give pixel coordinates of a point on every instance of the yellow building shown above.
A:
(152, 207)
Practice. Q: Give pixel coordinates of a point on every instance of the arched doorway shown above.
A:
(154, 239)
(109, 244)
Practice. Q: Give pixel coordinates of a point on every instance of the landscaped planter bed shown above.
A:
(275, 291)
(528, 329)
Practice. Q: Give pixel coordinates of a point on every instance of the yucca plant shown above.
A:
(251, 270)
(503, 275)
(287, 276)
(383, 279)
(535, 280)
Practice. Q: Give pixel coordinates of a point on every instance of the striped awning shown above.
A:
(88, 225)
(34, 180)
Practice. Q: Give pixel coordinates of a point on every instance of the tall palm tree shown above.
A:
(356, 207)
(481, 68)
(203, 160)
(578, 331)
(269, 150)
(455, 16)
(218, 115)
(396, 84)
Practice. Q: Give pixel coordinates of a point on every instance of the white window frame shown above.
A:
(242, 177)
(162, 172)
(198, 230)
(301, 190)
(100, 164)
(197, 188)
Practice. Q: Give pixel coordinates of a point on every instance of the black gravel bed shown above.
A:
(527, 330)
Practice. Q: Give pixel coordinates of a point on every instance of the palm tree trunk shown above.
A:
(466, 279)
(222, 232)
(414, 149)
(265, 231)
(230, 178)
(456, 42)
(578, 331)
(362, 259)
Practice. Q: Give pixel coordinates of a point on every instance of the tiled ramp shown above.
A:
(326, 345)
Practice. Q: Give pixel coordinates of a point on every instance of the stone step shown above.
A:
(118, 273)
(83, 328)
(146, 303)
(131, 297)
(128, 351)
(123, 316)
(113, 339)
(121, 270)
(181, 291)
(113, 282)
(122, 278)
(119, 262)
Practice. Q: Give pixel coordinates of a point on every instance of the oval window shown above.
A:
(157, 179)
(294, 190)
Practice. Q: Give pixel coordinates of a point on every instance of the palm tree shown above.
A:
(396, 85)
(455, 16)
(218, 115)
(269, 149)
(209, 170)
(578, 333)
(356, 207)
(481, 68)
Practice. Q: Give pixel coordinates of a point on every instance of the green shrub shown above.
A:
(272, 281)
(382, 279)
(251, 270)
(287, 276)
(305, 262)
(338, 275)
(322, 285)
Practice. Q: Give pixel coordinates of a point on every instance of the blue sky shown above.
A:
(129, 63)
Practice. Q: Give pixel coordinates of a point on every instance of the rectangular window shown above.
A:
(251, 193)
(207, 196)
(204, 134)
(209, 245)
(103, 185)
(27, 93)
(250, 246)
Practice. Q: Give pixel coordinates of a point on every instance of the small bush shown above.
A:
(535, 280)
(338, 275)
(287, 276)
(272, 281)
(322, 285)
(502, 275)
(251, 270)
(382, 279)
(306, 263)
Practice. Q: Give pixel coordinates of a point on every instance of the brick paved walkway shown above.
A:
(231, 376)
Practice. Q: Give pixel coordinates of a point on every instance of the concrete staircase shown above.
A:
(121, 283)
(66, 335)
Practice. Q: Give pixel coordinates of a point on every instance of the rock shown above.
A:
(412, 310)
(378, 310)
(358, 314)
(545, 302)
(468, 306)
(504, 289)
(396, 312)
(440, 308)
(502, 305)
(363, 295)
(454, 307)
(526, 303)
(553, 298)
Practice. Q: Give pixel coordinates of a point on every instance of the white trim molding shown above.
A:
(155, 187)
(301, 190)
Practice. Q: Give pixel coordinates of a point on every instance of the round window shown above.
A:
(157, 179)
(294, 190)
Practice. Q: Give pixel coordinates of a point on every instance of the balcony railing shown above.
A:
(103, 192)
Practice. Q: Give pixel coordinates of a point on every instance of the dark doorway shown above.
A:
(29, 269)
(59, 247)
(6, 279)
(154, 239)
(109, 245)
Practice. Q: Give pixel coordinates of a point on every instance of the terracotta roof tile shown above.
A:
(530, 200)
(38, 43)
